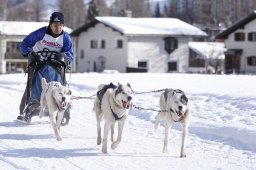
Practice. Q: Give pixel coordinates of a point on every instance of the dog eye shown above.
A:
(184, 102)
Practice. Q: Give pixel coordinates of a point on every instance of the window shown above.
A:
(142, 64)
(172, 66)
(239, 36)
(94, 44)
(101, 64)
(251, 61)
(98, 44)
(195, 60)
(252, 36)
(12, 50)
(82, 54)
(170, 44)
(102, 43)
(119, 44)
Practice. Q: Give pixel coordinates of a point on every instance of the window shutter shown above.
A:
(250, 36)
(249, 61)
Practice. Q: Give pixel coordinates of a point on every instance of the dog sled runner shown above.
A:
(52, 67)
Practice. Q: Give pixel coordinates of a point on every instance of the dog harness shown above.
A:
(115, 115)
(101, 93)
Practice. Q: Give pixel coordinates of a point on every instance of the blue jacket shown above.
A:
(40, 39)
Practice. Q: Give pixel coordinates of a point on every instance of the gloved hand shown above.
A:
(32, 56)
(59, 59)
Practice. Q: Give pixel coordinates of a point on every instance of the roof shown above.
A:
(22, 28)
(208, 49)
(144, 26)
(238, 25)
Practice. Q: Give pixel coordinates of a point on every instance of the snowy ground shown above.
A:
(222, 132)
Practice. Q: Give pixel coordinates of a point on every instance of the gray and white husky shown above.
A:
(113, 105)
(174, 108)
(57, 98)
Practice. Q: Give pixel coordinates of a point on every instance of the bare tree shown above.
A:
(3, 9)
(172, 9)
(215, 62)
(21, 12)
(74, 12)
(139, 8)
(38, 6)
(104, 10)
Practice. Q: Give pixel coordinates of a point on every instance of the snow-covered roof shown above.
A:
(208, 49)
(22, 28)
(156, 26)
(145, 26)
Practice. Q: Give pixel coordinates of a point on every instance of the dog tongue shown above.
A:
(180, 113)
(63, 104)
(125, 104)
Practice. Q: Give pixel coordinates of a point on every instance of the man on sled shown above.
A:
(49, 51)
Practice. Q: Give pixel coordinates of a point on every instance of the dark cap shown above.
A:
(57, 17)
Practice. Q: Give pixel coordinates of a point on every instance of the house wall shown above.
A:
(6, 64)
(2, 51)
(116, 59)
(181, 55)
(135, 49)
(147, 49)
(151, 49)
(248, 47)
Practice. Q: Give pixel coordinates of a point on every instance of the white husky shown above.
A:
(57, 98)
(174, 109)
(113, 104)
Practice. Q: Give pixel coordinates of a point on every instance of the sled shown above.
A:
(53, 67)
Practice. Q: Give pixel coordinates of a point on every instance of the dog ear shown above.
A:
(128, 84)
(184, 99)
(68, 91)
(119, 89)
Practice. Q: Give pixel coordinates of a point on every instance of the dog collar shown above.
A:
(115, 115)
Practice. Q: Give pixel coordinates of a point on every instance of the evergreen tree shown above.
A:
(92, 11)
(157, 12)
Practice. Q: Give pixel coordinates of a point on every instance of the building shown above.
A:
(11, 35)
(206, 57)
(240, 42)
(134, 44)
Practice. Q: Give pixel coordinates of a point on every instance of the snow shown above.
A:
(151, 26)
(222, 130)
(22, 28)
(208, 49)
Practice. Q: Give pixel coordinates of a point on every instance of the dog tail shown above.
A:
(44, 83)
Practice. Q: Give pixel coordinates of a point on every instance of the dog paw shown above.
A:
(58, 138)
(98, 141)
(156, 126)
(114, 145)
(104, 150)
(41, 115)
(183, 155)
(165, 151)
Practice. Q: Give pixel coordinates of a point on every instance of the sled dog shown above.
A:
(112, 104)
(174, 108)
(57, 98)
